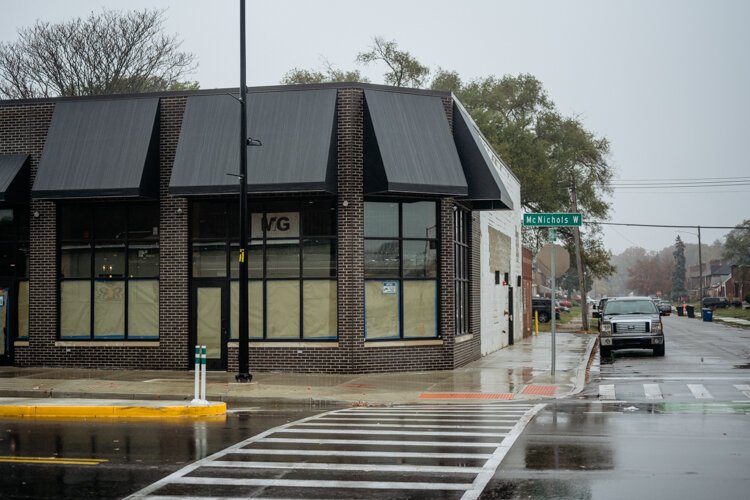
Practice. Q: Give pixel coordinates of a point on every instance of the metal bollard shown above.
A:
(196, 391)
(536, 323)
(203, 374)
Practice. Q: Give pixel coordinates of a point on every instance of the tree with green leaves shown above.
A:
(679, 271)
(110, 52)
(328, 74)
(737, 245)
(560, 164)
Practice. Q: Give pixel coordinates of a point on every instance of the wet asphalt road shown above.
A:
(644, 427)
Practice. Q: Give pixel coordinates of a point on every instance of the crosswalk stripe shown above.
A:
(356, 467)
(338, 453)
(416, 426)
(744, 389)
(372, 432)
(441, 414)
(317, 483)
(481, 444)
(607, 391)
(699, 391)
(409, 419)
(652, 391)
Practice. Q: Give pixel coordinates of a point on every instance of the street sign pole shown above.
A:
(552, 238)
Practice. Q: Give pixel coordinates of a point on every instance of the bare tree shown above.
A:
(403, 69)
(107, 53)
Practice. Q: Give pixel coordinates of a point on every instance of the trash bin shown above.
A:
(690, 311)
(680, 311)
(708, 314)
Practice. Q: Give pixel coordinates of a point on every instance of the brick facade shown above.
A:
(23, 129)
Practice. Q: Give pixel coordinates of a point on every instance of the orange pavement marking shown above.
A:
(464, 395)
(539, 390)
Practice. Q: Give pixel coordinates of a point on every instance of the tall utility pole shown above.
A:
(579, 263)
(243, 374)
(700, 269)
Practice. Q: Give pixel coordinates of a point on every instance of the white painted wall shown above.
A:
(495, 323)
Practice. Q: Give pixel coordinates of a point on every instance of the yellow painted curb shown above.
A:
(109, 411)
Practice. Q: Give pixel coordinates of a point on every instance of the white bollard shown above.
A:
(203, 375)
(196, 391)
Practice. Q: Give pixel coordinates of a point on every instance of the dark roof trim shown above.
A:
(486, 190)
(298, 155)
(14, 177)
(232, 91)
(100, 149)
(408, 146)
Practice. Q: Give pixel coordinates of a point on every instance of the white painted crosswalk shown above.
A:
(450, 451)
(671, 390)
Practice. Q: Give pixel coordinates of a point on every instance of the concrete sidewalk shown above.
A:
(518, 372)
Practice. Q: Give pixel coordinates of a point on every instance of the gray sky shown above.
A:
(665, 81)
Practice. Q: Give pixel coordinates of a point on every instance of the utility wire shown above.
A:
(661, 225)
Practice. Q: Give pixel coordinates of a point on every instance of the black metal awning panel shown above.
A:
(100, 148)
(297, 131)
(408, 146)
(14, 177)
(480, 164)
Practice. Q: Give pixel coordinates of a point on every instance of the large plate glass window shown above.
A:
(291, 264)
(109, 271)
(400, 253)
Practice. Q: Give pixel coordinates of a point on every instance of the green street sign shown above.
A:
(552, 220)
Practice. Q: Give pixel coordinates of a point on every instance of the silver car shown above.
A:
(631, 323)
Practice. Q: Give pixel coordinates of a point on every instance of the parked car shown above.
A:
(562, 307)
(631, 322)
(543, 306)
(715, 302)
(665, 307)
(565, 303)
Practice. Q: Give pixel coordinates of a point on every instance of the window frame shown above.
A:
(230, 242)
(92, 243)
(462, 269)
(400, 278)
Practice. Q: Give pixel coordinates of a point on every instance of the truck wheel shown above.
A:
(659, 350)
(543, 317)
(605, 352)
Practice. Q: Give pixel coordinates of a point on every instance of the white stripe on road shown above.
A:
(338, 453)
(317, 483)
(478, 444)
(652, 391)
(490, 467)
(699, 391)
(744, 389)
(441, 414)
(358, 467)
(402, 419)
(607, 391)
(370, 432)
(697, 379)
(415, 426)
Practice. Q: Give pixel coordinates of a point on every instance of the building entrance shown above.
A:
(210, 322)
(6, 335)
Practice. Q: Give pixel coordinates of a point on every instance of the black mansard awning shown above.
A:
(296, 128)
(100, 149)
(408, 146)
(481, 165)
(14, 177)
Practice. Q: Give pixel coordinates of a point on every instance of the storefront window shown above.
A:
(291, 265)
(109, 271)
(400, 253)
(461, 228)
(14, 266)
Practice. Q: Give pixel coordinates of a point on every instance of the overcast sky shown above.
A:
(667, 82)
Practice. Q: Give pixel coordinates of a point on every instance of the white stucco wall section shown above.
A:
(495, 322)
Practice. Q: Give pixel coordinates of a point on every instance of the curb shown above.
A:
(113, 411)
(581, 371)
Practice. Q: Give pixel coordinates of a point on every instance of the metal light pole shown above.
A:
(243, 374)
(700, 267)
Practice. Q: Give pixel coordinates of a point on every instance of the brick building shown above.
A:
(383, 235)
